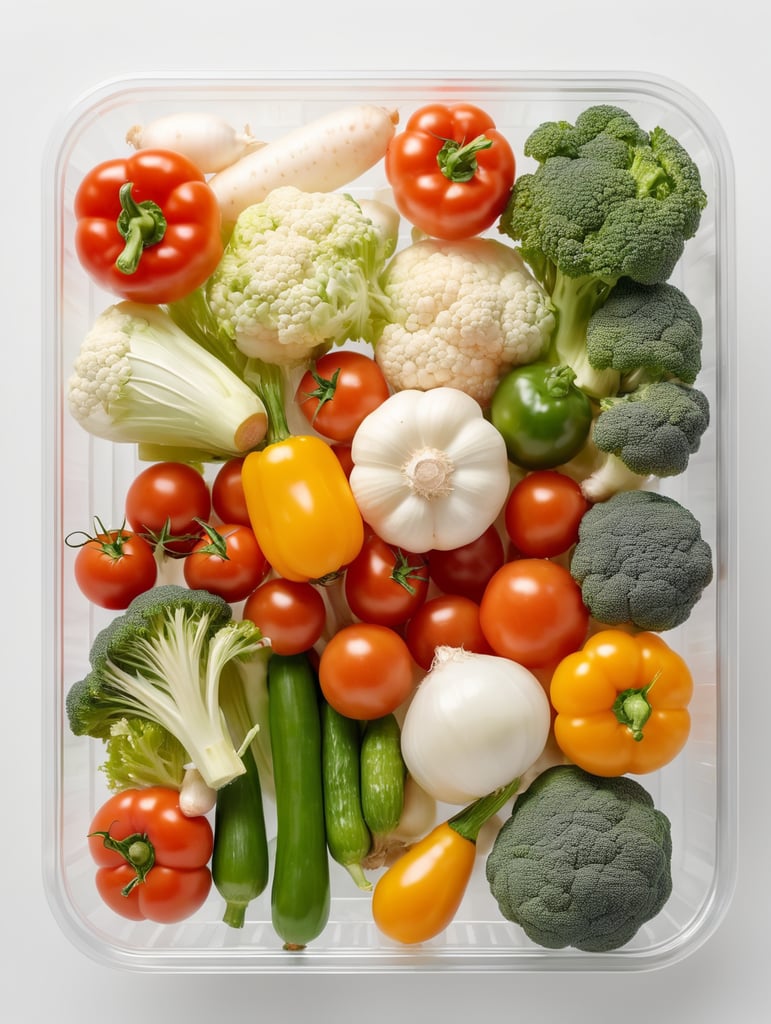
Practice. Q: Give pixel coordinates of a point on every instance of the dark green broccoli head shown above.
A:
(641, 560)
(608, 200)
(582, 861)
(649, 332)
(655, 429)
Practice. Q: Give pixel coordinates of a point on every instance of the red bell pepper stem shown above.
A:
(141, 224)
(136, 850)
(459, 162)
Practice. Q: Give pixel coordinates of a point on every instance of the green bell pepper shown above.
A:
(543, 416)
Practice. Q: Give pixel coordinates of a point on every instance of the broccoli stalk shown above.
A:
(652, 431)
(244, 703)
(575, 300)
(162, 660)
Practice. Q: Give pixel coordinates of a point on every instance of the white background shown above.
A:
(51, 54)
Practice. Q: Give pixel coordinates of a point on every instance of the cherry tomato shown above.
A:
(449, 620)
(227, 493)
(291, 614)
(384, 584)
(533, 613)
(343, 455)
(466, 570)
(178, 849)
(113, 567)
(228, 562)
(166, 500)
(366, 671)
(450, 170)
(341, 389)
(543, 513)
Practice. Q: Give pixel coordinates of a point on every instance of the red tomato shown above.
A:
(165, 500)
(227, 493)
(448, 620)
(466, 570)
(291, 614)
(228, 562)
(114, 567)
(178, 881)
(384, 584)
(366, 671)
(450, 170)
(340, 391)
(533, 613)
(343, 454)
(543, 513)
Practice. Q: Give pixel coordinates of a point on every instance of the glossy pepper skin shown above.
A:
(148, 226)
(419, 895)
(621, 704)
(543, 417)
(301, 507)
(152, 860)
(451, 170)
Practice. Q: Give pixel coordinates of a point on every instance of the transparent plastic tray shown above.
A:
(85, 476)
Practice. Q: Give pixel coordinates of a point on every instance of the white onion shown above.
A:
(476, 722)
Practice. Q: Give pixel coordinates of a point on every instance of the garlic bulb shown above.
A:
(429, 471)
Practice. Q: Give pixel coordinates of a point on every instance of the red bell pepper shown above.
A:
(450, 170)
(148, 226)
(152, 859)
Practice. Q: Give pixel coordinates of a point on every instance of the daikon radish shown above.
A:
(207, 140)
(320, 156)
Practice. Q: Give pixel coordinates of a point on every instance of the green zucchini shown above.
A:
(382, 776)
(300, 895)
(240, 856)
(348, 836)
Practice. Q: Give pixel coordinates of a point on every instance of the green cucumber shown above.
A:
(300, 895)
(240, 856)
(348, 836)
(382, 776)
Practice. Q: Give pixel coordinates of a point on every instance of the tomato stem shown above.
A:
(403, 572)
(141, 224)
(469, 821)
(458, 162)
(136, 850)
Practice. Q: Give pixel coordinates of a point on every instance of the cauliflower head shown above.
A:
(299, 275)
(463, 313)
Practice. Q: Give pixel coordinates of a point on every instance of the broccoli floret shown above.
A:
(162, 660)
(646, 333)
(652, 431)
(640, 559)
(607, 200)
(582, 861)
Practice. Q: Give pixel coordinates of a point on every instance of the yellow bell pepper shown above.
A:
(301, 508)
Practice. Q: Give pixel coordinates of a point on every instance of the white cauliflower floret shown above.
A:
(138, 378)
(299, 274)
(462, 314)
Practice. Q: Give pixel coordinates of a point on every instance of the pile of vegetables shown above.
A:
(396, 557)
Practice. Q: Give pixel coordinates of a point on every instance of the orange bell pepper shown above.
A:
(301, 508)
(621, 704)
